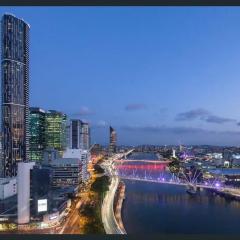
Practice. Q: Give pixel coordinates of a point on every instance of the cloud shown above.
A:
(163, 134)
(203, 115)
(238, 123)
(177, 130)
(84, 111)
(219, 120)
(165, 129)
(135, 107)
(192, 114)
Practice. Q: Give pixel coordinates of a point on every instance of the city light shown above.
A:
(54, 180)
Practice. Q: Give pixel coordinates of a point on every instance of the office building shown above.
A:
(8, 187)
(66, 172)
(96, 149)
(113, 141)
(1, 158)
(55, 130)
(23, 191)
(40, 189)
(79, 135)
(84, 157)
(50, 154)
(75, 130)
(85, 136)
(15, 92)
(37, 134)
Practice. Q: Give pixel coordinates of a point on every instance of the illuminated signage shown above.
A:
(42, 205)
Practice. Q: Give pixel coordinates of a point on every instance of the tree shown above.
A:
(174, 166)
(101, 184)
(98, 169)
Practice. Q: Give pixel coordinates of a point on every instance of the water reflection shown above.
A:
(150, 208)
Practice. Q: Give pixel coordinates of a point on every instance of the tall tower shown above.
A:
(37, 134)
(14, 92)
(55, 130)
(75, 133)
(113, 140)
(79, 135)
(85, 136)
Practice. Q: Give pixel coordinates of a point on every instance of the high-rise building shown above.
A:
(50, 154)
(15, 92)
(75, 133)
(23, 191)
(113, 140)
(37, 134)
(40, 192)
(85, 136)
(66, 172)
(79, 135)
(84, 157)
(55, 130)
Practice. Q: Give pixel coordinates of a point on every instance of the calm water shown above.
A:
(158, 208)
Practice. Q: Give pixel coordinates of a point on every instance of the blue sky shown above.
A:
(159, 75)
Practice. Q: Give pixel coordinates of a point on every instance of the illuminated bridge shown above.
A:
(163, 161)
(178, 179)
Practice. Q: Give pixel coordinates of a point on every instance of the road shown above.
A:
(71, 226)
(109, 221)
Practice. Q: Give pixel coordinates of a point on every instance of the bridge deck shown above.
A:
(173, 183)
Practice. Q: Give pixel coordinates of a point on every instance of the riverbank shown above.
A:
(119, 198)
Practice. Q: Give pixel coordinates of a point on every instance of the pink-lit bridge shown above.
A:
(164, 161)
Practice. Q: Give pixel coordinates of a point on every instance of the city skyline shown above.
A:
(131, 58)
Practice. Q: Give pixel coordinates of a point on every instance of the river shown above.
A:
(167, 209)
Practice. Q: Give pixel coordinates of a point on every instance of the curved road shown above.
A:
(108, 217)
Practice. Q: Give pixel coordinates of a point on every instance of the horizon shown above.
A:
(159, 76)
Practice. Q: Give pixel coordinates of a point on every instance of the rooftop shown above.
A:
(64, 161)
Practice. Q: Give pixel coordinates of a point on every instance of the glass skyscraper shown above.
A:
(14, 92)
(55, 130)
(79, 136)
(113, 140)
(85, 136)
(37, 133)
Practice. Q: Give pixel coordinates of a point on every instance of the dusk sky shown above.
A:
(158, 75)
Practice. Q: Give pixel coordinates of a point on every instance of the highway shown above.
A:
(109, 221)
(71, 226)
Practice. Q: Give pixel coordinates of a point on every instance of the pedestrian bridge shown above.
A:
(162, 161)
(172, 182)
(230, 191)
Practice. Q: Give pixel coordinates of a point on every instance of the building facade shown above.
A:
(75, 133)
(42, 191)
(79, 135)
(37, 134)
(55, 130)
(66, 172)
(14, 92)
(85, 136)
(8, 187)
(84, 157)
(113, 141)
